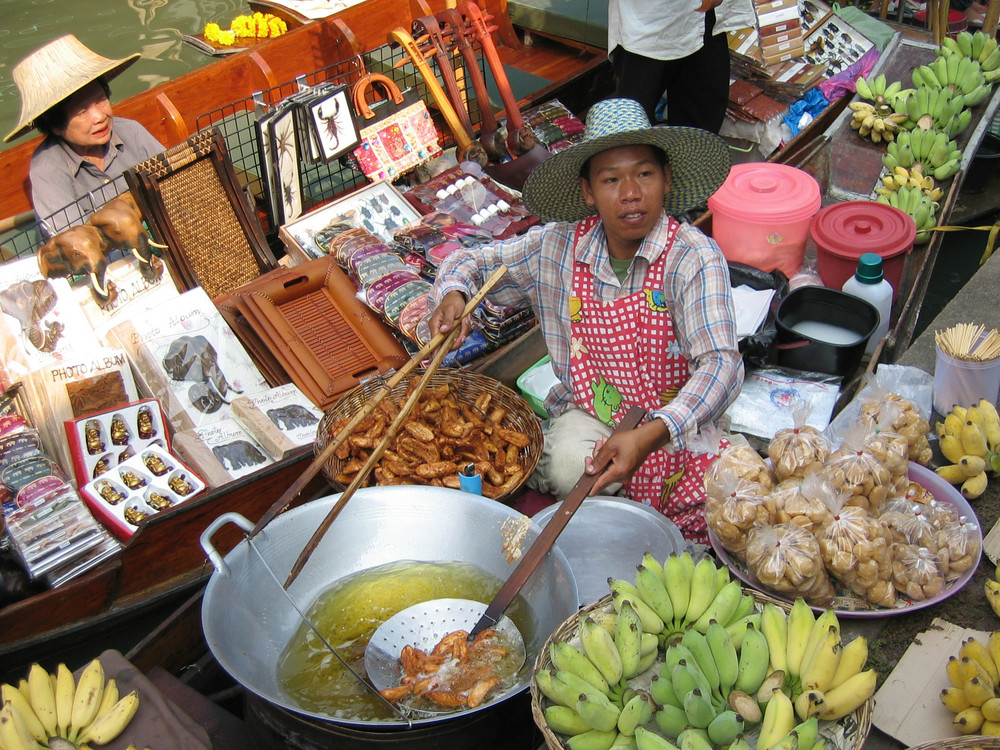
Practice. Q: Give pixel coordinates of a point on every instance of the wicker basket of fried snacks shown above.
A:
(462, 419)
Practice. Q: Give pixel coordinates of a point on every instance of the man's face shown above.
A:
(88, 118)
(626, 186)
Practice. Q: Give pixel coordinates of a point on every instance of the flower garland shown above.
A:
(257, 26)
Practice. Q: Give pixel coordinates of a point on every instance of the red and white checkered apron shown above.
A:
(625, 352)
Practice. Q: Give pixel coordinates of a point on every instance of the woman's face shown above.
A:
(88, 118)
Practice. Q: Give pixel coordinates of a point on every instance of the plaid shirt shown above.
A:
(696, 284)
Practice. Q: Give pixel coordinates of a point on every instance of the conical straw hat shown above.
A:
(56, 71)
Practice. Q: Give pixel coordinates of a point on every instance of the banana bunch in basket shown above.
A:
(56, 711)
(720, 670)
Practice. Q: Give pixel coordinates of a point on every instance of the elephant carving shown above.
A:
(29, 302)
(82, 250)
(193, 358)
(238, 455)
(79, 251)
(291, 416)
(120, 222)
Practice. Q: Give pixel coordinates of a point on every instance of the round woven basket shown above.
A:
(967, 742)
(469, 386)
(854, 728)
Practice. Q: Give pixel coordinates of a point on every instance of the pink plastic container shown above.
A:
(844, 231)
(761, 215)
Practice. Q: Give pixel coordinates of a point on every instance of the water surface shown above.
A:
(113, 28)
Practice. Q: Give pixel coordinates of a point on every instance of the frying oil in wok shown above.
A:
(348, 613)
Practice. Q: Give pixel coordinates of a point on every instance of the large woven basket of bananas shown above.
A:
(461, 418)
(685, 657)
(960, 743)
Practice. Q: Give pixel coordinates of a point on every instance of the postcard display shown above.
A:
(266, 427)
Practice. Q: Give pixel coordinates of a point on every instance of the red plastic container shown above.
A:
(761, 215)
(844, 231)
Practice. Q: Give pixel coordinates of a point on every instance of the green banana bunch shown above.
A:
(878, 89)
(913, 201)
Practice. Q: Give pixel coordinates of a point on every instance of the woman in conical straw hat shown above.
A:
(65, 94)
(634, 306)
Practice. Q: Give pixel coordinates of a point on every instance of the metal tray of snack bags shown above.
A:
(150, 482)
(850, 606)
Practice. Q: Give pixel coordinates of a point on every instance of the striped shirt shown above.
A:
(696, 285)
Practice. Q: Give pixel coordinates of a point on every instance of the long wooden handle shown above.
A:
(376, 455)
(436, 40)
(463, 139)
(453, 18)
(324, 455)
(544, 541)
(514, 119)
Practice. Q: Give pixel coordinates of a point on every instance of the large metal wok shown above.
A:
(248, 621)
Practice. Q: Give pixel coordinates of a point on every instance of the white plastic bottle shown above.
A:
(869, 284)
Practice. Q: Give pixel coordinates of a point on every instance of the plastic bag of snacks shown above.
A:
(910, 522)
(796, 450)
(958, 547)
(741, 461)
(891, 448)
(853, 469)
(800, 501)
(786, 558)
(856, 551)
(916, 573)
(735, 506)
(905, 418)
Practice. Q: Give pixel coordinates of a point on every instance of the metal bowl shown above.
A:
(248, 621)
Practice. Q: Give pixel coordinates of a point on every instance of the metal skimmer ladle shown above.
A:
(423, 625)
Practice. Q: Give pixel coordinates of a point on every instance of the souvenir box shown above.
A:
(150, 482)
(56, 536)
(221, 452)
(186, 356)
(379, 208)
(282, 419)
(100, 441)
(69, 388)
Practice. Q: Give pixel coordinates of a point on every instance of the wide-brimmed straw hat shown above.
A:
(699, 162)
(56, 71)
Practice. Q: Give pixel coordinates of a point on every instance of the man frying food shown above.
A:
(634, 306)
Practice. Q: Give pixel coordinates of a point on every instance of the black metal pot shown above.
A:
(504, 726)
(809, 305)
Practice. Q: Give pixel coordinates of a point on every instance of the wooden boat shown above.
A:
(164, 559)
(163, 562)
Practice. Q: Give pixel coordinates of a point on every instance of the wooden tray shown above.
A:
(322, 330)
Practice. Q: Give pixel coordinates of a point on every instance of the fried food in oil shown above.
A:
(455, 673)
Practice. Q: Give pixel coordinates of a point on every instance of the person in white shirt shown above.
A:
(677, 47)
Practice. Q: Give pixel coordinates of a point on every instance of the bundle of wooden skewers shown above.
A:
(969, 342)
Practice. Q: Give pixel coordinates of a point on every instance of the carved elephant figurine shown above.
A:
(78, 251)
(193, 358)
(29, 302)
(120, 221)
(291, 416)
(238, 454)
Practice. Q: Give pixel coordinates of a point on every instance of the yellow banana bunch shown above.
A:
(974, 680)
(49, 706)
(969, 437)
(876, 122)
(992, 588)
